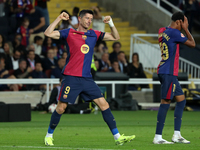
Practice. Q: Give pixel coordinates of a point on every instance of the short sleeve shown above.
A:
(179, 37)
(100, 35)
(64, 34)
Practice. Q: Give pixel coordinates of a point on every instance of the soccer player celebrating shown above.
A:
(169, 39)
(77, 78)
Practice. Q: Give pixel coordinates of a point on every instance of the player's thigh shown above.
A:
(70, 89)
(167, 86)
(178, 92)
(90, 90)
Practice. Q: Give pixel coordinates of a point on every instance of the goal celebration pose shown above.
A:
(77, 79)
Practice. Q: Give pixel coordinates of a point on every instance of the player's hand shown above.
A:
(64, 16)
(185, 23)
(106, 19)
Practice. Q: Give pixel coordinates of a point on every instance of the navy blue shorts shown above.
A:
(72, 86)
(170, 86)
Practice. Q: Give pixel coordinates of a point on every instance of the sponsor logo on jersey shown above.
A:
(84, 37)
(85, 48)
(182, 35)
(64, 96)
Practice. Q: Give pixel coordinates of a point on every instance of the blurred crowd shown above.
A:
(26, 53)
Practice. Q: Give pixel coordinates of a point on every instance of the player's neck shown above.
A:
(81, 29)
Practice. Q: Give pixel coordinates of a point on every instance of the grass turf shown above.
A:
(90, 132)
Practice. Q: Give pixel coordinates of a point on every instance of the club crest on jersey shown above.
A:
(64, 96)
(182, 35)
(84, 37)
(85, 48)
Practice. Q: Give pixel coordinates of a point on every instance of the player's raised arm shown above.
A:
(50, 30)
(114, 35)
(190, 42)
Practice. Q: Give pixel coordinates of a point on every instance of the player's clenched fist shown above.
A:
(64, 16)
(106, 19)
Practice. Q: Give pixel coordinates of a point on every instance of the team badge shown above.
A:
(84, 37)
(85, 48)
(74, 33)
(182, 35)
(64, 96)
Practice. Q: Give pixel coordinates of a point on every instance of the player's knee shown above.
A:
(60, 109)
(104, 106)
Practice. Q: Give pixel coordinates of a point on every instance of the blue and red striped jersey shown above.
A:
(169, 40)
(80, 47)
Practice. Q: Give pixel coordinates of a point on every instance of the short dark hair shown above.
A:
(21, 59)
(115, 43)
(76, 10)
(85, 11)
(120, 52)
(31, 51)
(177, 16)
(37, 38)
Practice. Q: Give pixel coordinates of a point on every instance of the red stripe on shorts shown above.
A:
(169, 92)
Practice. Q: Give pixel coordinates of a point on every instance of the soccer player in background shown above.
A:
(169, 39)
(77, 78)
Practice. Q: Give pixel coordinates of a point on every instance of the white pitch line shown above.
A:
(40, 147)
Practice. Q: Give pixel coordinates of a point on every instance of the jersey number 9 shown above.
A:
(164, 51)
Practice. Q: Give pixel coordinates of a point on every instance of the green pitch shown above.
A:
(90, 132)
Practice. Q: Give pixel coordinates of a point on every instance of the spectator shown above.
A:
(17, 44)
(31, 59)
(21, 8)
(23, 71)
(64, 55)
(49, 62)
(192, 12)
(74, 19)
(38, 41)
(47, 44)
(4, 74)
(115, 67)
(104, 63)
(116, 48)
(100, 49)
(38, 73)
(32, 48)
(2, 40)
(98, 23)
(56, 72)
(42, 5)
(7, 53)
(14, 63)
(24, 31)
(136, 71)
(123, 64)
(36, 26)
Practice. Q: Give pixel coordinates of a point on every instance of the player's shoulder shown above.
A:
(161, 30)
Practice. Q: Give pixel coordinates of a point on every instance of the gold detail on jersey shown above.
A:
(84, 37)
(85, 48)
(161, 63)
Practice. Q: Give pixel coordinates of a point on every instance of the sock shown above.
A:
(49, 135)
(55, 118)
(178, 115)
(177, 133)
(110, 120)
(158, 136)
(162, 112)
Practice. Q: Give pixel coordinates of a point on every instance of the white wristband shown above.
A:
(110, 23)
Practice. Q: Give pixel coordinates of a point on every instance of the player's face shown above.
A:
(86, 20)
(178, 25)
